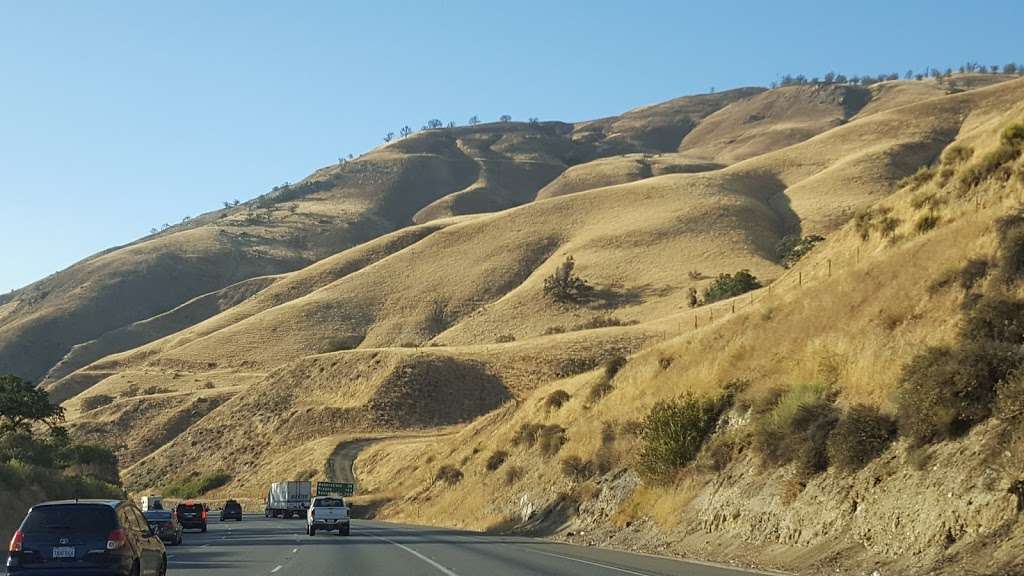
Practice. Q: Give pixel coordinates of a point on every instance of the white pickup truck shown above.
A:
(327, 513)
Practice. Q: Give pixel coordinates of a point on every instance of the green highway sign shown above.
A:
(335, 488)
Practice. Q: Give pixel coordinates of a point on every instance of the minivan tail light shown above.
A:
(203, 514)
(115, 539)
(17, 541)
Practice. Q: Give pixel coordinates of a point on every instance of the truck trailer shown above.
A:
(288, 499)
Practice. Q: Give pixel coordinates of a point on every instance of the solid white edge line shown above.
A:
(276, 569)
(439, 567)
(598, 564)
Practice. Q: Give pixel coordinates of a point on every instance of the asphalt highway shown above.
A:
(258, 545)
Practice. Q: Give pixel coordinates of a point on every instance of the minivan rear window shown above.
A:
(76, 518)
(157, 516)
(191, 507)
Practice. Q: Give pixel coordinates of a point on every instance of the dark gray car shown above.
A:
(165, 525)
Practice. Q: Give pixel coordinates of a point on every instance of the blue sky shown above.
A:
(116, 117)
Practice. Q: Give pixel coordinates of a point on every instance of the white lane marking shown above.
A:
(294, 550)
(204, 545)
(276, 569)
(439, 567)
(623, 570)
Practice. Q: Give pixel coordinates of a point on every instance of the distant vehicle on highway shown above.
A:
(151, 503)
(95, 537)
(192, 515)
(232, 510)
(287, 499)
(327, 513)
(165, 525)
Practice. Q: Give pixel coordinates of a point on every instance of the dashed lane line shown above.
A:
(276, 569)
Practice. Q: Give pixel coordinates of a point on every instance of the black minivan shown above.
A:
(232, 510)
(86, 538)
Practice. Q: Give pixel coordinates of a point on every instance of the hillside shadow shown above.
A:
(611, 296)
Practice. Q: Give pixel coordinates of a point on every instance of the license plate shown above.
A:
(64, 552)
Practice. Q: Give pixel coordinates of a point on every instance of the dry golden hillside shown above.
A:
(470, 282)
(849, 316)
(401, 296)
(429, 175)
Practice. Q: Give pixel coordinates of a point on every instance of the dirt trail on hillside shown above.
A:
(341, 467)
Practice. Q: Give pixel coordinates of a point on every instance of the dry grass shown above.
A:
(800, 341)
(318, 346)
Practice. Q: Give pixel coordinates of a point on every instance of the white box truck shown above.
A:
(288, 499)
(151, 503)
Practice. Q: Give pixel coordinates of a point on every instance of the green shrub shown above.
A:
(29, 449)
(673, 432)
(96, 401)
(1013, 136)
(861, 435)
(808, 439)
(863, 223)
(54, 484)
(887, 226)
(554, 330)
(496, 460)
(576, 468)
(564, 285)
(448, 474)
(527, 434)
(944, 391)
(193, 486)
(926, 222)
(556, 399)
(613, 365)
(730, 285)
(602, 322)
(1011, 250)
(999, 319)
(550, 439)
(505, 338)
(779, 433)
(991, 164)
(91, 460)
(792, 248)
(1010, 397)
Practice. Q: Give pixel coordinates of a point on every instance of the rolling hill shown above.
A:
(403, 293)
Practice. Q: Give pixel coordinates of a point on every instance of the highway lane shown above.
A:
(276, 546)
